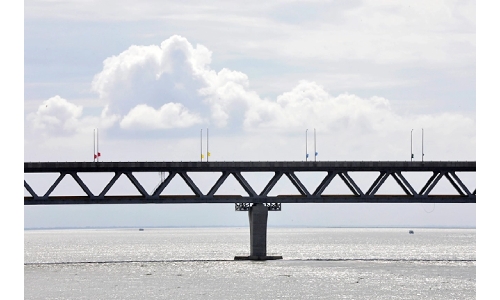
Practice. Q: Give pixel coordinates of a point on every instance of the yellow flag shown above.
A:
(202, 156)
(208, 153)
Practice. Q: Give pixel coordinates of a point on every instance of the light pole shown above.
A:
(307, 154)
(315, 153)
(411, 145)
(422, 145)
(96, 145)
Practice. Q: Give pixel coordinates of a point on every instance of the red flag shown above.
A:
(98, 153)
(95, 156)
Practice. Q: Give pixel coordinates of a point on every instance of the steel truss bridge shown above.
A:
(342, 169)
(257, 204)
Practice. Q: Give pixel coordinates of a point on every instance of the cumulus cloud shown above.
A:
(148, 86)
(57, 116)
(152, 75)
(170, 115)
(172, 86)
(175, 73)
(308, 104)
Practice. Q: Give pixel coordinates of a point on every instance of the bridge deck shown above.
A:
(251, 166)
(186, 199)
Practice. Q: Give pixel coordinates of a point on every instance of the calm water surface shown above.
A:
(197, 263)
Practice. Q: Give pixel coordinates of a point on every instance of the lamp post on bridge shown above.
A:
(307, 154)
(422, 145)
(411, 145)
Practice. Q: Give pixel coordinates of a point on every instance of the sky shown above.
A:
(376, 81)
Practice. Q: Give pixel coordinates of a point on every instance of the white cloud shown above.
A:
(140, 81)
(173, 73)
(170, 115)
(228, 95)
(57, 116)
(309, 105)
(152, 75)
(172, 86)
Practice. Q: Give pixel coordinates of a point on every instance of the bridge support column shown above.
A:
(257, 217)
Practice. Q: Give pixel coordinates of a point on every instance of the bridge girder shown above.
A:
(341, 169)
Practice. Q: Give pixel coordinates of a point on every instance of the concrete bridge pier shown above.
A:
(257, 217)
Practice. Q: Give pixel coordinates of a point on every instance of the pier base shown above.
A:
(258, 257)
(257, 217)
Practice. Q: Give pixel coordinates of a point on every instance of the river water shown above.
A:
(198, 263)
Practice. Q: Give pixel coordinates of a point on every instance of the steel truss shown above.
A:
(243, 202)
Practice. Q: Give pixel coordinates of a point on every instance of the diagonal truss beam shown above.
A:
(217, 184)
(163, 184)
(81, 184)
(30, 190)
(298, 185)
(431, 183)
(351, 184)
(136, 183)
(54, 185)
(110, 184)
(377, 183)
(403, 183)
(457, 183)
(271, 184)
(408, 191)
(191, 184)
(324, 183)
(244, 184)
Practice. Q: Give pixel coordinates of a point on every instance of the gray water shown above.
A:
(197, 263)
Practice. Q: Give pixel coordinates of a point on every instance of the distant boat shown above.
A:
(411, 232)
(142, 229)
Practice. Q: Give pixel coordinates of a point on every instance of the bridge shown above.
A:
(258, 203)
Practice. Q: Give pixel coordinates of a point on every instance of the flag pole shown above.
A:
(208, 153)
(94, 147)
(306, 144)
(315, 144)
(422, 145)
(411, 145)
(201, 145)
(97, 144)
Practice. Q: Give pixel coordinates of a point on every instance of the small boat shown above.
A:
(141, 229)
(410, 232)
